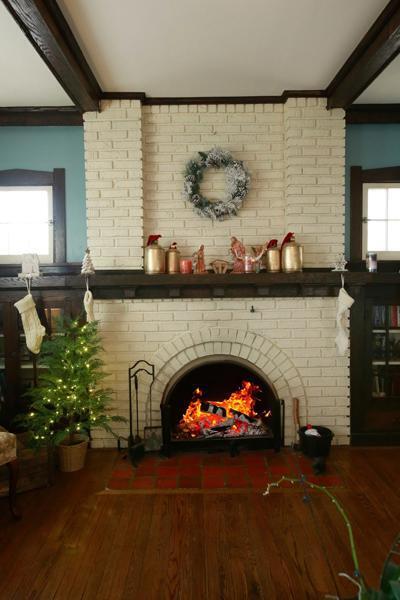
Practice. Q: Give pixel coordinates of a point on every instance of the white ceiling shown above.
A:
(218, 47)
(385, 88)
(199, 48)
(25, 78)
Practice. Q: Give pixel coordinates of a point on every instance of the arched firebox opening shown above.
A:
(218, 400)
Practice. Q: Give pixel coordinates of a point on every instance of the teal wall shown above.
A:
(47, 148)
(369, 146)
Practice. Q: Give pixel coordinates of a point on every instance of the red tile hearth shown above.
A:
(201, 471)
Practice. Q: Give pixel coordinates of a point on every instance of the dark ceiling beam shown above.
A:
(42, 116)
(377, 49)
(46, 28)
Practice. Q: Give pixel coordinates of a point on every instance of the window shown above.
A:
(26, 223)
(375, 213)
(32, 215)
(381, 219)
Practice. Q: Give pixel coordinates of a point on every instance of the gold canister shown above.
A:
(292, 257)
(173, 257)
(154, 259)
(273, 260)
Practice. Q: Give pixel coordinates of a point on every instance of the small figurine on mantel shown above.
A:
(199, 260)
(243, 262)
(238, 252)
(220, 267)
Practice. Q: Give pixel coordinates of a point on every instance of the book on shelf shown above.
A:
(378, 386)
(379, 316)
(393, 316)
(379, 346)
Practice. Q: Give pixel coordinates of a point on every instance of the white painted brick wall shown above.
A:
(294, 152)
(314, 165)
(174, 134)
(114, 187)
(295, 155)
(304, 329)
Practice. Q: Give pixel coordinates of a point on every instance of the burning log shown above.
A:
(223, 426)
(207, 407)
(239, 416)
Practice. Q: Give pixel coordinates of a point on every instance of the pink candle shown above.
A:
(186, 266)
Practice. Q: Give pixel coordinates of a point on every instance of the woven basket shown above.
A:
(71, 457)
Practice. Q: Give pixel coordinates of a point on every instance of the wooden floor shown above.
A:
(76, 543)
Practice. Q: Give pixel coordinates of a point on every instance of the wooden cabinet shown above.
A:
(375, 376)
(19, 368)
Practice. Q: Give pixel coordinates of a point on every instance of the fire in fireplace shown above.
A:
(220, 401)
(231, 417)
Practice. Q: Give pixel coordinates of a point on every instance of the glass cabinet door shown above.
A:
(382, 412)
(19, 368)
(29, 364)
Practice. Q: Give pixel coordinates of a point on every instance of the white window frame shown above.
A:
(382, 254)
(44, 258)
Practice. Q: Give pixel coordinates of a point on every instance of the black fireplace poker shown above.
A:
(136, 446)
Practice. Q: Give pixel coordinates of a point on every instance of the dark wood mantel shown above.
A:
(136, 284)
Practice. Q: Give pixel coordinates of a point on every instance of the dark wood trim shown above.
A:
(46, 28)
(123, 96)
(356, 213)
(40, 116)
(56, 179)
(236, 99)
(16, 177)
(358, 114)
(12, 359)
(9, 270)
(382, 175)
(138, 285)
(359, 176)
(215, 100)
(60, 241)
(358, 349)
(13, 470)
(303, 94)
(71, 269)
(385, 266)
(377, 49)
(70, 116)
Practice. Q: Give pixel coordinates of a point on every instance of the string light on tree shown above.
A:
(69, 397)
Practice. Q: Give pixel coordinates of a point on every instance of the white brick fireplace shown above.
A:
(135, 158)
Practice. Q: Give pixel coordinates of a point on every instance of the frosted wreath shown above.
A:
(237, 184)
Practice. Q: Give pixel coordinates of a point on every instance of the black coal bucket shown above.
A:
(316, 446)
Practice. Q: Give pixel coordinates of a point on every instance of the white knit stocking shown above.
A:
(343, 304)
(33, 329)
(88, 304)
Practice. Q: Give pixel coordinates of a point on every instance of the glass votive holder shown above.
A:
(186, 266)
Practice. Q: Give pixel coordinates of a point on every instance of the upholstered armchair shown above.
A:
(8, 456)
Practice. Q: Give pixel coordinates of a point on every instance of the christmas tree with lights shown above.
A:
(69, 398)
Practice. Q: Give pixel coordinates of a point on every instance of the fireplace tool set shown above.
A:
(151, 434)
